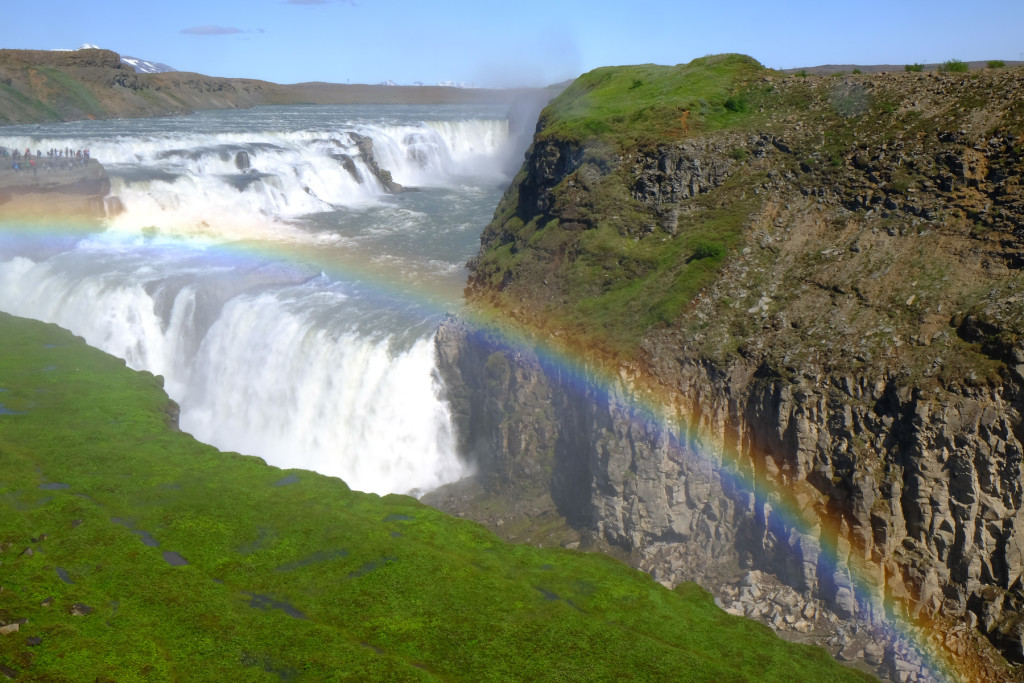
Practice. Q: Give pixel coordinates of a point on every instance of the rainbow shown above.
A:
(647, 404)
(644, 400)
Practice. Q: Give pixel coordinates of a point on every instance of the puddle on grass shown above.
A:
(265, 602)
(16, 500)
(398, 518)
(54, 486)
(144, 536)
(548, 595)
(371, 566)
(4, 410)
(49, 368)
(174, 559)
(263, 536)
(315, 558)
(270, 665)
(114, 606)
(290, 479)
(63, 574)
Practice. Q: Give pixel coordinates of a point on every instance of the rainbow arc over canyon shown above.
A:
(652, 407)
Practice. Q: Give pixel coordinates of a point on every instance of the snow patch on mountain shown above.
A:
(142, 66)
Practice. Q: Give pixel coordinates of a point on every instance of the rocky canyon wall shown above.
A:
(839, 409)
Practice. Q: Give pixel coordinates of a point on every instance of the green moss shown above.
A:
(291, 575)
(631, 105)
(71, 96)
(28, 108)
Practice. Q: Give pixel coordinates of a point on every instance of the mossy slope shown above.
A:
(625, 106)
(574, 218)
(291, 575)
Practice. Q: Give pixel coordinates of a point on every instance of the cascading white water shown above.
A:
(312, 346)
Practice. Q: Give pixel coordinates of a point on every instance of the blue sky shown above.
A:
(530, 42)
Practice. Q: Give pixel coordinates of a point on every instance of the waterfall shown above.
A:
(226, 273)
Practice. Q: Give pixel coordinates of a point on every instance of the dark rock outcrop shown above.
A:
(841, 409)
(365, 146)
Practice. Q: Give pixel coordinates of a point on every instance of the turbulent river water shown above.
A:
(290, 305)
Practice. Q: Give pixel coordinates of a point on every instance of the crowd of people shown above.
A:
(54, 159)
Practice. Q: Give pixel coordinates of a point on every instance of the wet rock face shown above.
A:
(679, 172)
(548, 163)
(858, 360)
(501, 405)
(934, 517)
(365, 146)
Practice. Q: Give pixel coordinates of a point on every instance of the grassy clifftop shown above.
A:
(637, 221)
(646, 104)
(132, 552)
(594, 216)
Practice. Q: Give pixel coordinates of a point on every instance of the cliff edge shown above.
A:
(773, 345)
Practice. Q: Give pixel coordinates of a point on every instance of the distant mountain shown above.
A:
(142, 66)
(421, 84)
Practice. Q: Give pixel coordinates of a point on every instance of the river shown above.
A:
(258, 264)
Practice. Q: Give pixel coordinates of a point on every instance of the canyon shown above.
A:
(777, 350)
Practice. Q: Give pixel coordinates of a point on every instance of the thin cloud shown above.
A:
(320, 2)
(210, 30)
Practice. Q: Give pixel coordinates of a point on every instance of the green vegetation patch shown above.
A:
(69, 94)
(628, 105)
(131, 552)
(622, 287)
(24, 107)
(954, 66)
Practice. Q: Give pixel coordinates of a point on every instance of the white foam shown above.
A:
(266, 357)
(267, 377)
(191, 184)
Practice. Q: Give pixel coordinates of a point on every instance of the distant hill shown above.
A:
(829, 69)
(41, 86)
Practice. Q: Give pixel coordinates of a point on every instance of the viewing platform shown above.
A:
(54, 187)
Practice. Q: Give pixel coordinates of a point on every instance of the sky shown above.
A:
(526, 43)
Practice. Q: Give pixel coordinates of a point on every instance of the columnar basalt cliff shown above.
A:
(795, 330)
